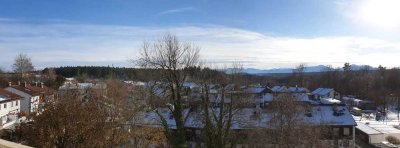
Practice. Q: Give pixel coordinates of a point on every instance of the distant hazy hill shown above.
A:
(308, 69)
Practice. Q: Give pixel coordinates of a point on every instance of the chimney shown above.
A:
(25, 84)
(41, 84)
(9, 83)
(19, 83)
(36, 83)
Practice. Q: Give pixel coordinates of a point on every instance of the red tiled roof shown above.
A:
(45, 90)
(9, 95)
(26, 90)
(35, 89)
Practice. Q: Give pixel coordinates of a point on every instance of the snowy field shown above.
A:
(391, 118)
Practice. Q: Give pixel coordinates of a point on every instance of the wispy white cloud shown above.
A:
(85, 44)
(177, 10)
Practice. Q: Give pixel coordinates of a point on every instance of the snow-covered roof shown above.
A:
(135, 83)
(372, 128)
(324, 114)
(83, 86)
(69, 79)
(367, 129)
(244, 118)
(329, 101)
(254, 89)
(348, 98)
(151, 117)
(298, 89)
(190, 85)
(217, 99)
(322, 91)
(3, 98)
(387, 129)
(230, 87)
(301, 97)
(213, 86)
(279, 88)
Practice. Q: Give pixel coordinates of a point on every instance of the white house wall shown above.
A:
(28, 103)
(10, 111)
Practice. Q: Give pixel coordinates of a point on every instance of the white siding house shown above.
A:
(30, 99)
(9, 108)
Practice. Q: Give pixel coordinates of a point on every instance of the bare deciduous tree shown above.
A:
(90, 118)
(286, 124)
(298, 77)
(148, 137)
(171, 57)
(22, 64)
(119, 111)
(219, 107)
(50, 73)
(69, 123)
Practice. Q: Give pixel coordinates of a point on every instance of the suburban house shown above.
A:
(324, 93)
(71, 80)
(82, 89)
(364, 105)
(9, 108)
(252, 111)
(193, 87)
(374, 132)
(47, 95)
(30, 98)
(298, 93)
(219, 93)
(336, 118)
(298, 89)
(257, 93)
(279, 89)
(250, 95)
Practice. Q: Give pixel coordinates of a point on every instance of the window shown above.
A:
(198, 132)
(16, 103)
(336, 131)
(346, 131)
(5, 105)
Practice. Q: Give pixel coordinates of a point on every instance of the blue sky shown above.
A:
(261, 34)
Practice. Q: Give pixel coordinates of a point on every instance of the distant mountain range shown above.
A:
(308, 69)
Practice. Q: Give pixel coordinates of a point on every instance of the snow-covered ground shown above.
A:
(391, 118)
(378, 128)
